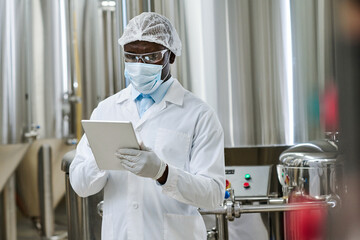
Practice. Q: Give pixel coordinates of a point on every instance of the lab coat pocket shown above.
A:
(180, 227)
(172, 147)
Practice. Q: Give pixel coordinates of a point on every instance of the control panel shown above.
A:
(248, 181)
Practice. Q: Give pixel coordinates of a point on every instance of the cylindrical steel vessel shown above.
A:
(261, 65)
(13, 66)
(14, 99)
(310, 168)
(83, 221)
(35, 69)
(309, 172)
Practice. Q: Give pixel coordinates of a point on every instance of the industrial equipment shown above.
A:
(309, 174)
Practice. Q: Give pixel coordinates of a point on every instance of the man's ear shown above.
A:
(172, 58)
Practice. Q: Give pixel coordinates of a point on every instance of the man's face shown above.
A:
(141, 47)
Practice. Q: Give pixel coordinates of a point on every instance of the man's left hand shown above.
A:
(141, 162)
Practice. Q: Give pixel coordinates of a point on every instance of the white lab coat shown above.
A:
(184, 132)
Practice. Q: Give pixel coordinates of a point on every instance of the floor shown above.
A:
(27, 229)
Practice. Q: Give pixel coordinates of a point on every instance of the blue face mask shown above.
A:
(145, 78)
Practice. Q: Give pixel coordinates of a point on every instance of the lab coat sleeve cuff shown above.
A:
(171, 183)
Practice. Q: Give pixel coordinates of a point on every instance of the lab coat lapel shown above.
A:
(153, 111)
(174, 95)
(132, 112)
(128, 106)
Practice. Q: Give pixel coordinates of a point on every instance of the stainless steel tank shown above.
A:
(14, 101)
(309, 172)
(310, 168)
(14, 63)
(262, 65)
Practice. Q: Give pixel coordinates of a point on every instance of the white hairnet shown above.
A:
(152, 27)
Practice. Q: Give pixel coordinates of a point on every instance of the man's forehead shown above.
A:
(143, 46)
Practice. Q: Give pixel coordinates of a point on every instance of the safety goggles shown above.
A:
(152, 57)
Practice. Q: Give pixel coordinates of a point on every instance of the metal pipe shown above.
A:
(109, 45)
(282, 207)
(10, 209)
(29, 65)
(77, 214)
(45, 191)
(222, 227)
(72, 80)
(73, 220)
(119, 10)
(124, 13)
(272, 208)
(82, 224)
(85, 216)
(70, 227)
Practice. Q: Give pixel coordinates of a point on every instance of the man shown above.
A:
(181, 164)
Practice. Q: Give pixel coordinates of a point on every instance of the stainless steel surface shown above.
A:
(311, 168)
(274, 208)
(66, 161)
(42, 77)
(13, 117)
(285, 207)
(261, 65)
(269, 83)
(222, 226)
(100, 208)
(237, 208)
(10, 209)
(98, 26)
(319, 153)
(47, 218)
(174, 10)
(29, 68)
(33, 71)
(233, 209)
(309, 172)
(53, 84)
(274, 201)
(229, 211)
(83, 221)
(212, 234)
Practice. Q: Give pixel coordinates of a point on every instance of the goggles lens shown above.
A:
(152, 57)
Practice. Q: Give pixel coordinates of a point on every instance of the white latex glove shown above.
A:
(143, 163)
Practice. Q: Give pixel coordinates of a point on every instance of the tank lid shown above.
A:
(318, 153)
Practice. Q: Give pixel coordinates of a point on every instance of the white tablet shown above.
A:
(105, 137)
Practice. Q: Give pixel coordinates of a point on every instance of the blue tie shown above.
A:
(144, 103)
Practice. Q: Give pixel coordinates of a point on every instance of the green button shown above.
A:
(247, 176)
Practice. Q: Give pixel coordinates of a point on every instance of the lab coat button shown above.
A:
(135, 205)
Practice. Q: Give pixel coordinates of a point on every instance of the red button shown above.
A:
(246, 185)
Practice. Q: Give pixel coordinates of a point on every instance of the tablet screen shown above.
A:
(106, 137)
